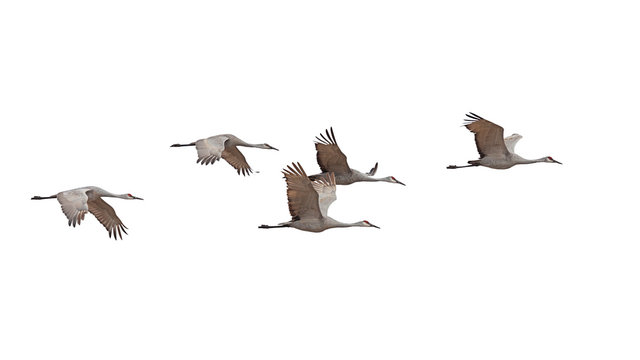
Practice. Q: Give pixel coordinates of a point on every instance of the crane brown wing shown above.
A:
(107, 217)
(235, 158)
(303, 198)
(330, 157)
(489, 136)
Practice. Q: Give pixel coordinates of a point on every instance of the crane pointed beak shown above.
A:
(137, 198)
(394, 180)
(557, 162)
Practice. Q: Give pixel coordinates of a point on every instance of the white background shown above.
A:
(536, 262)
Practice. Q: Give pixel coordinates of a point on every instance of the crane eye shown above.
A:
(130, 195)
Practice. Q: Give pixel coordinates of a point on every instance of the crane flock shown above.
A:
(309, 197)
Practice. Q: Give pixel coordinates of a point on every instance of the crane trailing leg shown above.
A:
(471, 164)
(273, 226)
(181, 145)
(45, 197)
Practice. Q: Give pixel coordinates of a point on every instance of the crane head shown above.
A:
(366, 223)
(129, 196)
(269, 147)
(392, 179)
(549, 159)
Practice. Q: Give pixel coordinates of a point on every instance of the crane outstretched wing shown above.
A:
(235, 158)
(488, 136)
(74, 205)
(107, 217)
(511, 141)
(303, 198)
(325, 186)
(373, 170)
(210, 149)
(330, 157)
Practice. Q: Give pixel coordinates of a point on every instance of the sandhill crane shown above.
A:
(76, 202)
(309, 201)
(495, 152)
(332, 159)
(224, 146)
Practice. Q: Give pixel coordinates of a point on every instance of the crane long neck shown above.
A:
(251, 145)
(370, 178)
(105, 193)
(338, 224)
(235, 141)
(520, 160)
(238, 142)
(364, 177)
